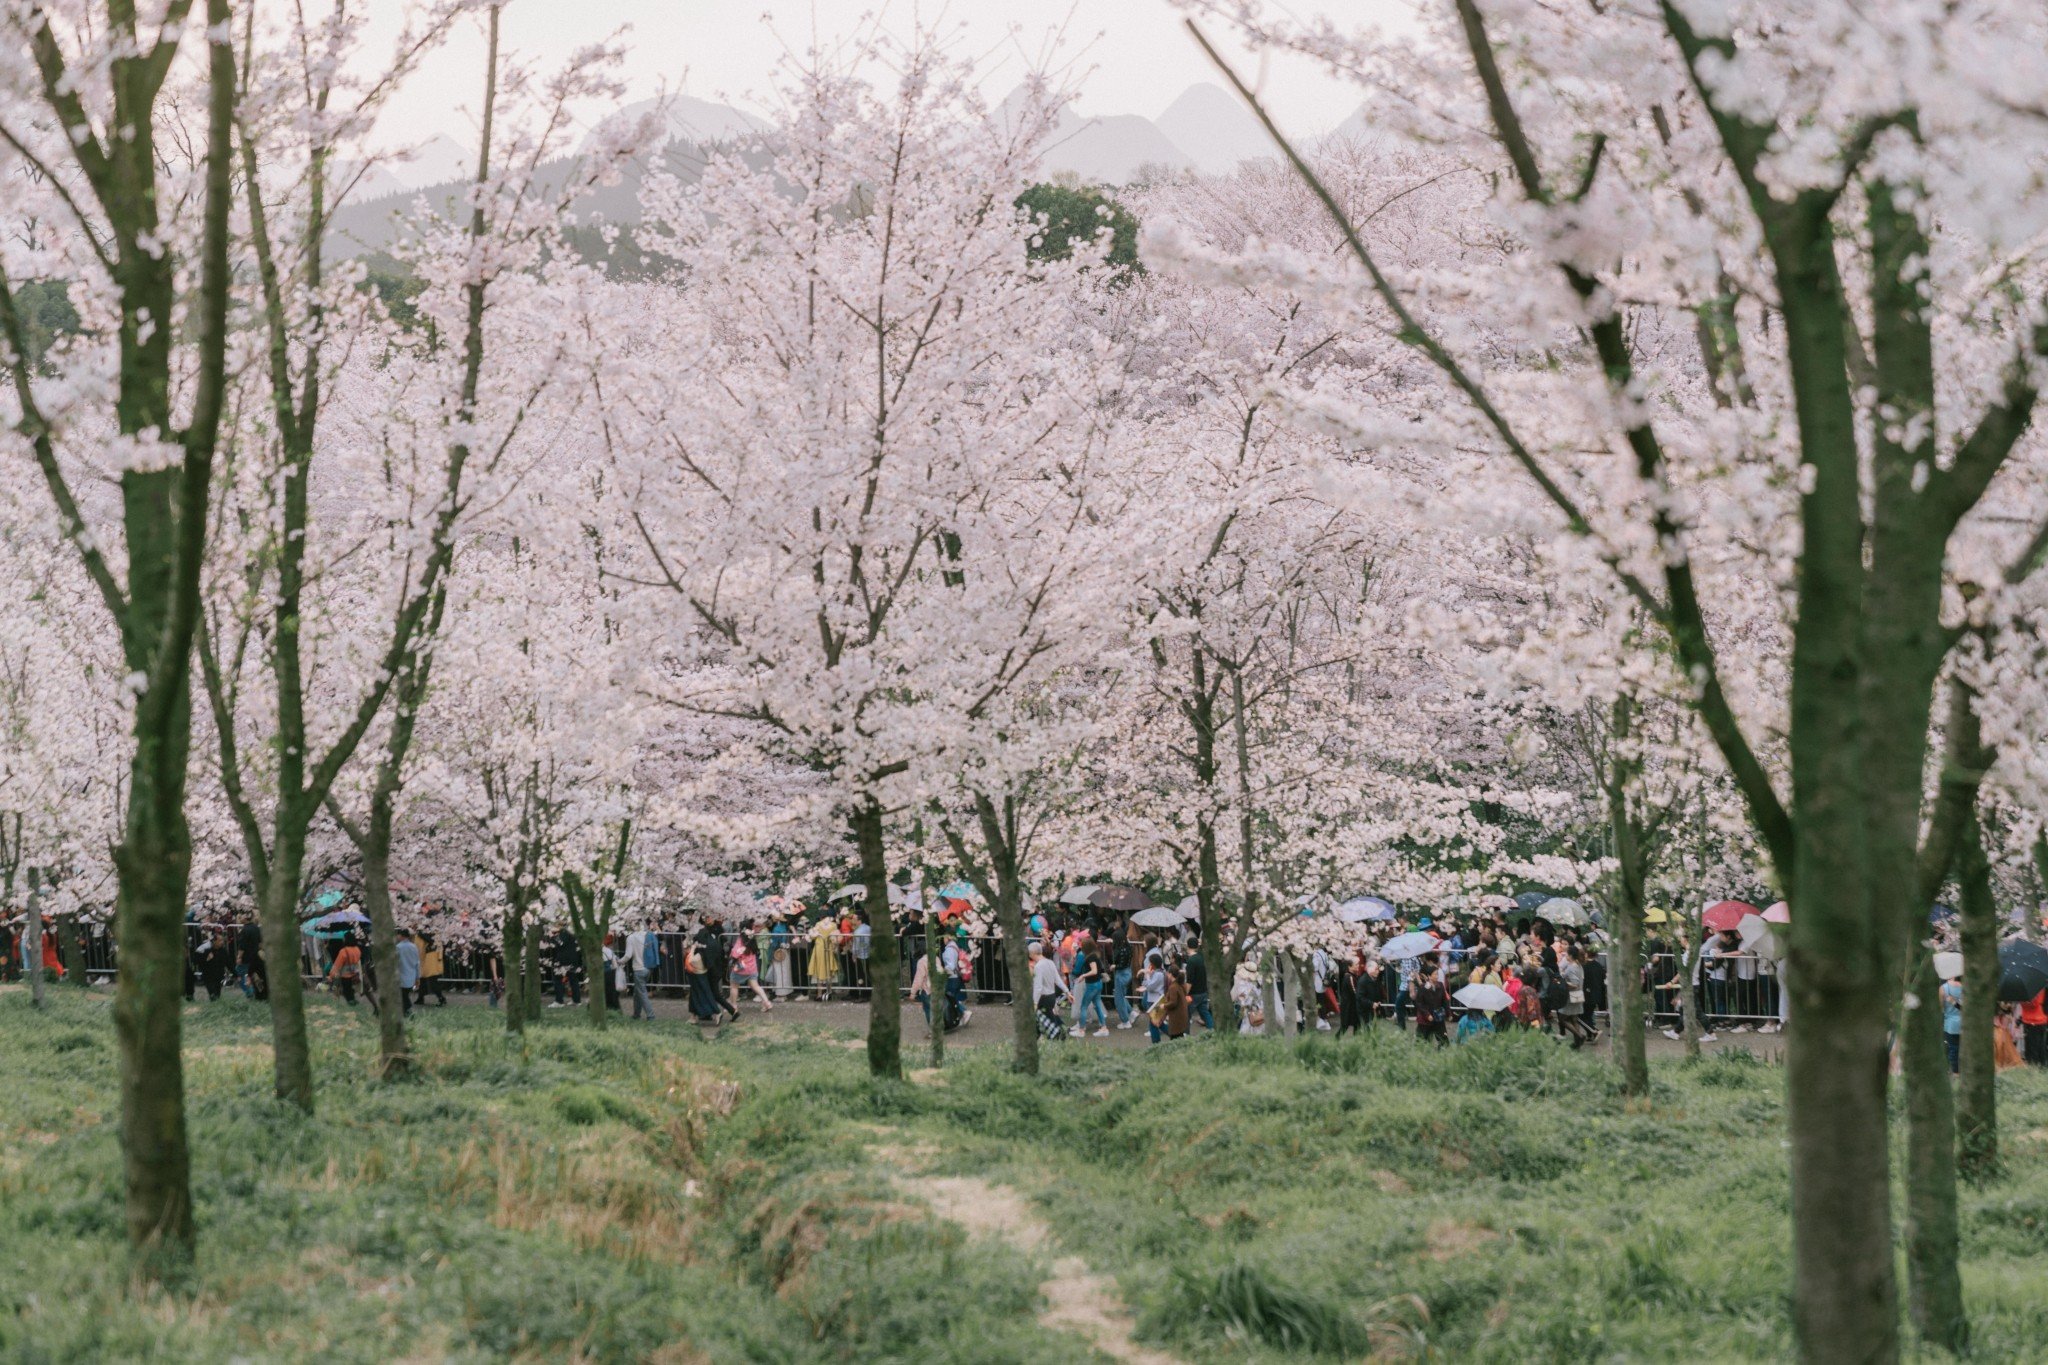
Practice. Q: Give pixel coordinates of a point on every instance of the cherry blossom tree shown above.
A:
(858, 367)
(1854, 176)
(133, 213)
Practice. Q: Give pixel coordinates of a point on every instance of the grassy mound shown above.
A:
(642, 1194)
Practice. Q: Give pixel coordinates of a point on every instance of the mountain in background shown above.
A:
(1215, 129)
(1205, 129)
(700, 121)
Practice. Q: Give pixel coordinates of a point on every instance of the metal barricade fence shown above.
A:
(1731, 990)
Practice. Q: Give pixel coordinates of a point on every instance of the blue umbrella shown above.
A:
(327, 900)
(1529, 900)
(960, 891)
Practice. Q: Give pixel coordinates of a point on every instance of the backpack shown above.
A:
(650, 954)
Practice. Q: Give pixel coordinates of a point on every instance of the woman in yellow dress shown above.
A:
(824, 962)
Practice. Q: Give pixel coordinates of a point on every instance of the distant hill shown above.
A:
(1215, 129)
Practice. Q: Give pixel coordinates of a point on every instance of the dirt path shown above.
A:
(1077, 1299)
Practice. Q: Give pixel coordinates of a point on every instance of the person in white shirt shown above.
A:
(1046, 986)
(637, 944)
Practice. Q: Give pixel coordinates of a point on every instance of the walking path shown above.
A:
(1077, 1299)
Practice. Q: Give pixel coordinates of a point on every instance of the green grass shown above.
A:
(633, 1194)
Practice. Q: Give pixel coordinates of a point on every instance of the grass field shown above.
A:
(648, 1194)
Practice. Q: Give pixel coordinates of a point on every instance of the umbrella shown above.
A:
(1654, 915)
(1079, 895)
(1757, 937)
(327, 900)
(852, 891)
(1158, 917)
(1480, 996)
(341, 917)
(1725, 914)
(1780, 913)
(2022, 969)
(1529, 900)
(1562, 911)
(1190, 908)
(1941, 914)
(959, 891)
(1401, 946)
(1117, 898)
(1948, 966)
(1360, 908)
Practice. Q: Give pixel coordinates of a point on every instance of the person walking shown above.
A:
(1952, 1024)
(249, 960)
(1430, 1002)
(1175, 1003)
(2034, 1028)
(1120, 976)
(1046, 990)
(433, 966)
(1198, 990)
(643, 960)
(1088, 975)
(408, 973)
(1155, 994)
(746, 970)
(1571, 1014)
(345, 971)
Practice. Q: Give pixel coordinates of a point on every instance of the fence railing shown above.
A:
(1731, 989)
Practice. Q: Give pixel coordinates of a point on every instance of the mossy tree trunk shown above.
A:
(1977, 1092)
(1935, 1289)
(163, 511)
(885, 1006)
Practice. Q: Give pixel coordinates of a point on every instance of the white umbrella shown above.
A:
(1755, 933)
(1401, 946)
(1078, 895)
(1190, 908)
(851, 891)
(1948, 966)
(1158, 917)
(341, 917)
(1560, 910)
(907, 897)
(1361, 908)
(1483, 997)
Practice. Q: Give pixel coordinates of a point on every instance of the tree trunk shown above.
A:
(885, 1005)
(1935, 1289)
(1688, 1001)
(32, 938)
(512, 945)
(530, 977)
(591, 941)
(1009, 897)
(71, 941)
(1977, 1094)
(935, 997)
(394, 1055)
(1625, 962)
(154, 860)
(291, 1047)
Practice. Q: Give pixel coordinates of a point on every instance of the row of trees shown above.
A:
(1617, 478)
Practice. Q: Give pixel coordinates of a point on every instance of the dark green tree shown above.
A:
(1071, 212)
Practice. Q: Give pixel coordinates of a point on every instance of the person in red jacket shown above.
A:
(2034, 1021)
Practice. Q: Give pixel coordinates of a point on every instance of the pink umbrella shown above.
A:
(1726, 914)
(1780, 913)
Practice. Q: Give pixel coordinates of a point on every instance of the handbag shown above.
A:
(1157, 1014)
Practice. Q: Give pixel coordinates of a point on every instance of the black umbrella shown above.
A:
(2022, 969)
(1119, 898)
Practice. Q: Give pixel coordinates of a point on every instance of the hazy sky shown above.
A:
(1134, 53)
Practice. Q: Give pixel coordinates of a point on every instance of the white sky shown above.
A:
(1133, 55)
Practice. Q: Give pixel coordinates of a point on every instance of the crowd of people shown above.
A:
(1090, 971)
